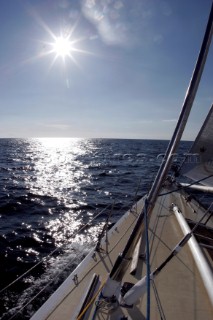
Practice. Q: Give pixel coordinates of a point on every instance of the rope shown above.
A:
(91, 301)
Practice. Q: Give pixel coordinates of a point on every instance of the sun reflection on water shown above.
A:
(59, 142)
(60, 173)
(57, 167)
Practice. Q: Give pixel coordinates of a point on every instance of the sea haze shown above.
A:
(49, 190)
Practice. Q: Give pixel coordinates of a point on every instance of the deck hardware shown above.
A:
(171, 207)
(188, 199)
(91, 290)
(124, 289)
(127, 259)
(94, 256)
(75, 279)
(142, 256)
(136, 256)
(133, 211)
(104, 232)
(105, 303)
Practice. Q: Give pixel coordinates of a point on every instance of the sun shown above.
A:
(62, 47)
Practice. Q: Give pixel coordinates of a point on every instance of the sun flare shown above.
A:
(62, 47)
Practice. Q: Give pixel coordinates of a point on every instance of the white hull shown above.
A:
(182, 289)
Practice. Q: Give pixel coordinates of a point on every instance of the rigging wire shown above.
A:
(31, 300)
(147, 259)
(155, 223)
(159, 305)
(51, 253)
(180, 244)
(48, 256)
(181, 188)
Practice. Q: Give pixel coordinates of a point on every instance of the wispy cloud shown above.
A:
(107, 19)
(169, 120)
(59, 126)
(166, 9)
(158, 38)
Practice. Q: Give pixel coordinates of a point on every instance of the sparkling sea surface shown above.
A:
(49, 190)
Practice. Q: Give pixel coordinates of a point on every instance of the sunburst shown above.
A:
(62, 47)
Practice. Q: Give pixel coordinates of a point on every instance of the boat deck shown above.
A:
(178, 292)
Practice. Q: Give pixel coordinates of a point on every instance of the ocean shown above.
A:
(55, 196)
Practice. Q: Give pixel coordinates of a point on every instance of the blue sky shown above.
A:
(126, 76)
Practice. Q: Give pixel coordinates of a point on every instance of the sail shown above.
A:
(198, 164)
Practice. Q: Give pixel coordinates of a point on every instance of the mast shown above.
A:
(186, 108)
(121, 263)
